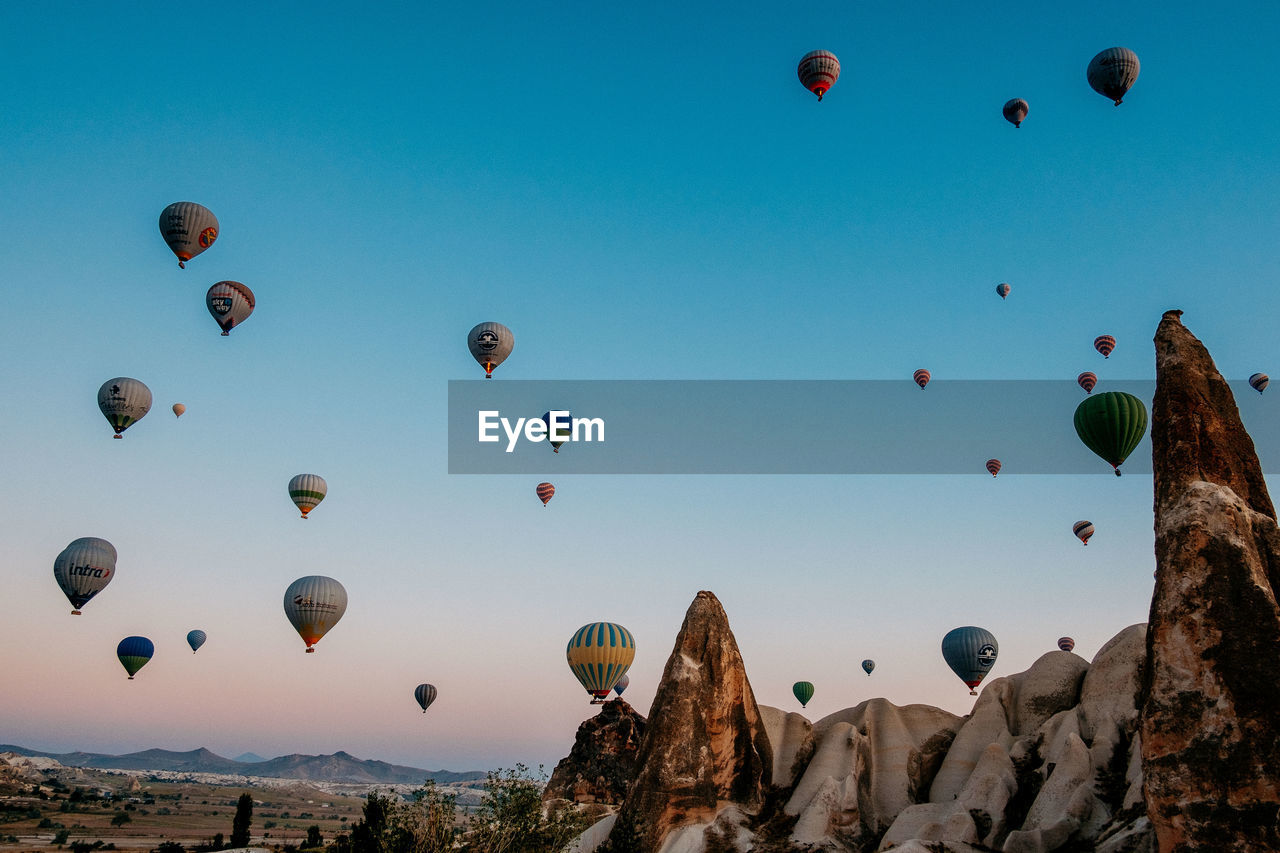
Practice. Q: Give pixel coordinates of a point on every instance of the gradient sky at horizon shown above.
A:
(637, 193)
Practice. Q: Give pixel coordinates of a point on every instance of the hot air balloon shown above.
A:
(179, 410)
(1111, 425)
(1015, 111)
(922, 377)
(307, 490)
(970, 652)
(314, 604)
(562, 433)
(1087, 381)
(803, 691)
(819, 70)
(1003, 290)
(1083, 530)
(195, 639)
(188, 228)
(230, 303)
(546, 492)
(868, 666)
(83, 569)
(623, 683)
(993, 466)
(490, 344)
(123, 402)
(1258, 382)
(1066, 644)
(1104, 344)
(425, 694)
(1113, 72)
(599, 654)
(134, 652)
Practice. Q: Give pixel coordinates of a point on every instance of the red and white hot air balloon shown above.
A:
(819, 70)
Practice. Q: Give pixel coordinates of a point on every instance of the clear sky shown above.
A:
(637, 193)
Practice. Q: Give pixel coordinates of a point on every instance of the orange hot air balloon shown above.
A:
(993, 465)
(922, 377)
(546, 492)
(1087, 381)
(1104, 344)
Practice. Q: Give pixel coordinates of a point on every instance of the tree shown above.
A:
(120, 819)
(314, 838)
(240, 823)
(511, 819)
(61, 837)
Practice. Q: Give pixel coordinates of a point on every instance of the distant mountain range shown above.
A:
(339, 767)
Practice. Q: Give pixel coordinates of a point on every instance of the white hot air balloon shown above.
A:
(490, 344)
(230, 303)
(314, 604)
(1113, 72)
(83, 569)
(123, 402)
(188, 228)
(307, 490)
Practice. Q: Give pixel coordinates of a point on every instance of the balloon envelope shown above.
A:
(558, 436)
(1111, 425)
(970, 652)
(818, 71)
(868, 666)
(1003, 290)
(229, 302)
(179, 410)
(425, 694)
(546, 492)
(134, 652)
(1104, 344)
(1083, 530)
(314, 604)
(599, 654)
(1087, 381)
(623, 683)
(1259, 382)
(993, 466)
(83, 569)
(188, 228)
(307, 490)
(490, 344)
(195, 639)
(1015, 111)
(123, 402)
(803, 691)
(922, 377)
(1113, 72)
(1066, 644)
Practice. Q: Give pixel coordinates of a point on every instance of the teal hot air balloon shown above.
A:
(134, 652)
(803, 691)
(195, 639)
(970, 652)
(1111, 425)
(868, 666)
(425, 694)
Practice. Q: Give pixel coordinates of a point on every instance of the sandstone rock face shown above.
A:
(1210, 726)
(602, 764)
(705, 746)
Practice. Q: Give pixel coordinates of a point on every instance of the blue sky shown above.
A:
(637, 194)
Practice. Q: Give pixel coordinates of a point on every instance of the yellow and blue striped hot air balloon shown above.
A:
(599, 654)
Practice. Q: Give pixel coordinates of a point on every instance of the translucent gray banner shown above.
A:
(799, 427)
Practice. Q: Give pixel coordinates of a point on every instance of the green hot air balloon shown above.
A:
(1111, 425)
(803, 691)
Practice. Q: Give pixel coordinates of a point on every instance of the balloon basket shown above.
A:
(75, 612)
(310, 650)
(117, 435)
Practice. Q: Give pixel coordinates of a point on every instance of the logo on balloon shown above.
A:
(207, 236)
(487, 340)
(221, 304)
(987, 656)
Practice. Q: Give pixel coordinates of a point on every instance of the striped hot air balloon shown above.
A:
(425, 694)
(230, 303)
(818, 71)
(1087, 381)
(1259, 381)
(195, 639)
(306, 491)
(490, 344)
(123, 402)
(1015, 111)
(599, 654)
(83, 569)
(134, 652)
(188, 228)
(1003, 289)
(314, 604)
(1104, 344)
(803, 691)
(1113, 72)
(1083, 530)
(1066, 644)
(922, 377)
(993, 466)
(971, 653)
(546, 492)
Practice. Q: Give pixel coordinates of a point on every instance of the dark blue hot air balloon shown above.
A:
(195, 639)
(970, 652)
(868, 665)
(134, 652)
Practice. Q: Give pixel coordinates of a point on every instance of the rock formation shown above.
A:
(1211, 724)
(705, 746)
(602, 764)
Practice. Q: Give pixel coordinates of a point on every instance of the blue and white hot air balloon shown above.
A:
(971, 653)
